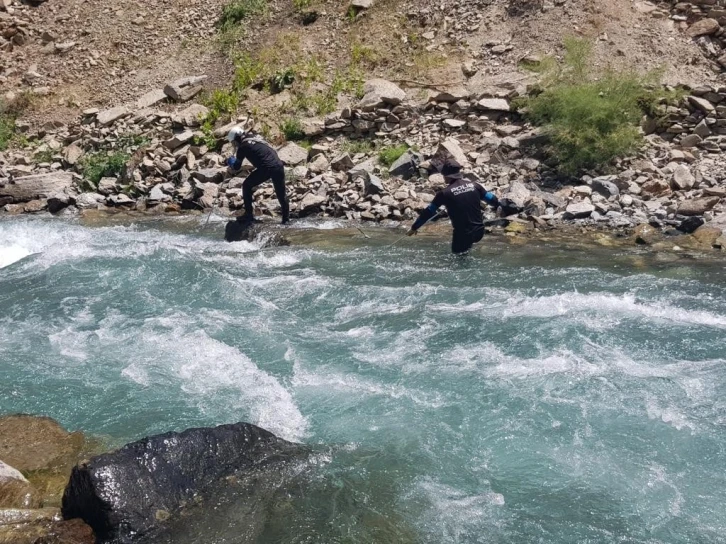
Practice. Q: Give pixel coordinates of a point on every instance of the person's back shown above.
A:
(462, 200)
(256, 150)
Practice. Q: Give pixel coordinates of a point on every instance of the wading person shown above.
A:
(462, 199)
(268, 166)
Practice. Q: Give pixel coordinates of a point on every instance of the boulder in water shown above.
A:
(131, 492)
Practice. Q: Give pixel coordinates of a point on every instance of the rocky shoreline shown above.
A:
(171, 164)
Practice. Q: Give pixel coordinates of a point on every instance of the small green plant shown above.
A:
(103, 164)
(247, 72)
(282, 79)
(292, 129)
(388, 155)
(9, 112)
(44, 156)
(353, 147)
(238, 10)
(591, 119)
(7, 131)
(301, 5)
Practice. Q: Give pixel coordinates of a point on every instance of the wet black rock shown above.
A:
(689, 225)
(132, 492)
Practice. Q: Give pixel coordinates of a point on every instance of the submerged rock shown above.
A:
(242, 231)
(132, 492)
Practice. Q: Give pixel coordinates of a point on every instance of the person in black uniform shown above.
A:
(267, 166)
(462, 199)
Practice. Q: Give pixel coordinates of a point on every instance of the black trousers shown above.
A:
(462, 241)
(261, 175)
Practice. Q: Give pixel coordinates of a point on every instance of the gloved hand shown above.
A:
(234, 163)
(508, 207)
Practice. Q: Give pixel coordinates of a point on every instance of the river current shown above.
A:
(519, 395)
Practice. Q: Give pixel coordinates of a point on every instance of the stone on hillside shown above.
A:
(130, 493)
(319, 164)
(656, 187)
(72, 154)
(310, 204)
(578, 210)
(312, 127)
(120, 199)
(704, 27)
(451, 148)
(379, 92)
(702, 129)
(698, 206)
(454, 123)
(362, 4)
(191, 116)
(451, 95)
(158, 195)
(209, 175)
(701, 104)
(150, 99)
(88, 200)
(645, 234)
(108, 186)
(518, 194)
(406, 166)
(110, 116)
(179, 140)
(692, 140)
(293, 154)
(58, 202)
(185, 88)
(606, 187)
(368, 166)
(373, 185)
(682, 178)
(342, 162)
(35, 187)
(493, 104)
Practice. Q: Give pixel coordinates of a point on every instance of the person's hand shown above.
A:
(233, 163)
(411, 232)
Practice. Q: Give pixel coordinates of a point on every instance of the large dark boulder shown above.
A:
(130, 493)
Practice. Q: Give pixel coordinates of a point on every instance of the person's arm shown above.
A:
(235, 163)
(427, 213)
(487, 196)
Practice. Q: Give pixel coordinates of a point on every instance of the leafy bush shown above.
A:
(388, 155)
(590, 119)
(282, 79)
(248, 71)
(9, 112)
(238, 10)
(7, 131)
(292, 129)
(103, 164)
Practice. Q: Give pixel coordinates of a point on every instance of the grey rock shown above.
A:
(108, 186)
(35, 187)
(362, 4)
(406, 165)
(179, 140)
(8, 473)
(578, 210)
(698, 206)
(120, 199)
(379, 92)
(58, 202)
(158, 195)
(366, 167)
(606, 187)
(72, 154)
(451, 95)
(702, 129)
(191, 116)
(310, 204)
(319, 164)
(454, 123)
(209, 175)
(682, 178)
(342, 162)
(518, 194)
(185, 88)
(88, 200)
(702, 104)
(451, 148)
(110, 116)
(373, 185)
(293, 154)
(150, 99)
(692, 140)
(493, 104)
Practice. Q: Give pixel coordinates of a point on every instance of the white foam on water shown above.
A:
(12, 254)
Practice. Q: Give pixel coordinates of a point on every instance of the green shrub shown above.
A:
(292, 129)
(388, 155)
(9, 112)
(282, 79)
(238, 10)
(301, 5)
(590, 119)
(247, 72)
(103, 164)
(7, 131)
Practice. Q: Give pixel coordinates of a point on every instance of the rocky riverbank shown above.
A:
(354, 164)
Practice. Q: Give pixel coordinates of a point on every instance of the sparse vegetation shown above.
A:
(388, 155)
(591, 118)
(292, 129)
(354, 147)
(7, 130)
(9, 112)
(103, 164)
(238, 10)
